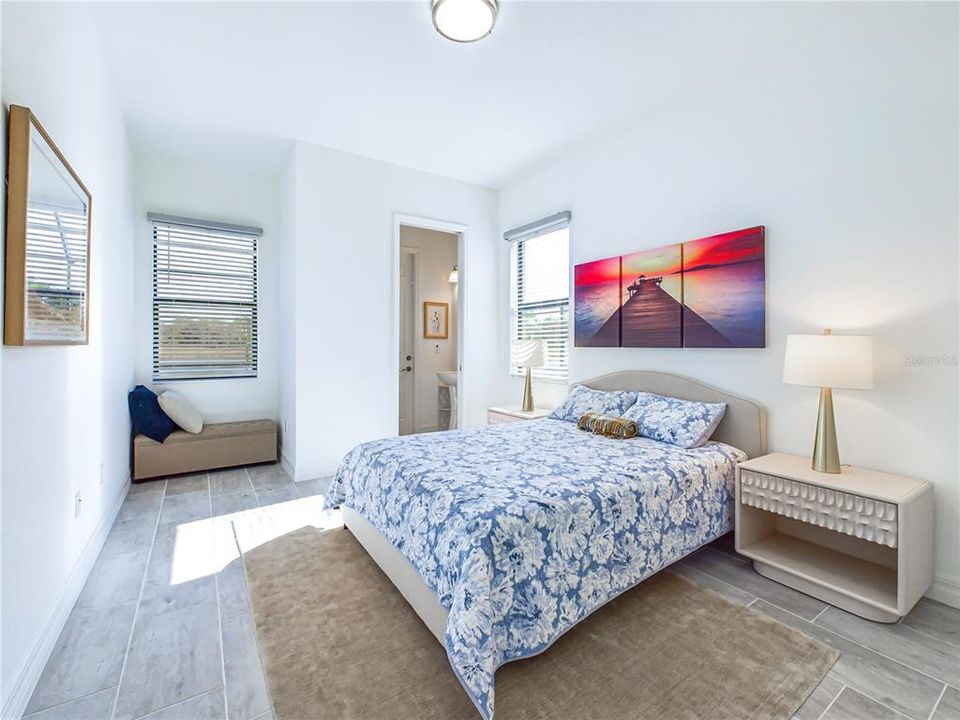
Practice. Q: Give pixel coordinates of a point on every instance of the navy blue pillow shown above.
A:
(148, 418)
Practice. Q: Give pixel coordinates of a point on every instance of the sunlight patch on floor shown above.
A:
(205, 547)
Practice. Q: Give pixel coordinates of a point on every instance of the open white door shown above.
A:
(408, 331)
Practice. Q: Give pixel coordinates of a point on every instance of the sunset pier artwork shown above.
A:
(704, 293)
(651, 318)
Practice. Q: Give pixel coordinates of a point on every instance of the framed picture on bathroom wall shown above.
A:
(436, 320)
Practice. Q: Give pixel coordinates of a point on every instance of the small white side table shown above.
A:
(513, 413)
(861, 540)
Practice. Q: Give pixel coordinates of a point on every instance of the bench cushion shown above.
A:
(217, 446)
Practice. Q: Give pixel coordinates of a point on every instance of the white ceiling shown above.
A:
(377, 80)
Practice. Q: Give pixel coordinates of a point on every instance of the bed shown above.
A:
(503, 538)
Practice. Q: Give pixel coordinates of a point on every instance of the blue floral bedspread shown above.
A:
(523, 529)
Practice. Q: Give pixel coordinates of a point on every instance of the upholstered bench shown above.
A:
(216, 446)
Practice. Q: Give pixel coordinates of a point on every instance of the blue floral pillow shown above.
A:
(582, 400)
(684, 423)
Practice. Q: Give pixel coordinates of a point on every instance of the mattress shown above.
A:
(524, 529)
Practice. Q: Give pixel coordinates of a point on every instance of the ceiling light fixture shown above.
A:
(464, 21)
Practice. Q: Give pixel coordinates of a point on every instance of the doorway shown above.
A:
(429, 347)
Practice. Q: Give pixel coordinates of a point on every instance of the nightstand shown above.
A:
(861, 540)
(513, 413)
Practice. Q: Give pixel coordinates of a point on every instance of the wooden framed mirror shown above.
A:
(47, 288)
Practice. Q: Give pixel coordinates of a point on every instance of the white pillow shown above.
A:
(183, 412)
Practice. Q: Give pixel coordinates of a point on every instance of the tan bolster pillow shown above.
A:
(615, 427)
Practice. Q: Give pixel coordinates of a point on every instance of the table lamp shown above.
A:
(528, 354)
(828, 361)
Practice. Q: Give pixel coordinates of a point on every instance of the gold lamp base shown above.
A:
(527, 393)
(826, 454)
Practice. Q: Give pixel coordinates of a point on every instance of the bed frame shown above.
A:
(744, 426)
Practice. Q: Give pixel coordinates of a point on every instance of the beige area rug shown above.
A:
(339, 642)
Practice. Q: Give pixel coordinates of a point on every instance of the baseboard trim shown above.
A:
(28, 674)
(945, 589)
(288, 467)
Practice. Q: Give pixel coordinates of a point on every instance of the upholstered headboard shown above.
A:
(744, 425)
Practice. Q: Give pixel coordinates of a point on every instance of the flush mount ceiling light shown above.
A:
(464, 21)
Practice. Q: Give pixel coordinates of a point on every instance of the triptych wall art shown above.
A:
(703, 293)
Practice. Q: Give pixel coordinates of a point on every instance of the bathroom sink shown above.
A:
(448, 377)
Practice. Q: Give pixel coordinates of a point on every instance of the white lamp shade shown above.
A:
(833, 361)
(528, 353)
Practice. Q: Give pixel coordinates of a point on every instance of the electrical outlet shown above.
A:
(101, 473)
(77, 505)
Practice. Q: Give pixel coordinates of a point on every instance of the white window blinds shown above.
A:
(56, 268)
(204, 300)
(540, 295)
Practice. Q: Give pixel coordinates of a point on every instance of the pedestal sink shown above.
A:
(449, 378)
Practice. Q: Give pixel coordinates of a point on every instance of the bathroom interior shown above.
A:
(429, 310)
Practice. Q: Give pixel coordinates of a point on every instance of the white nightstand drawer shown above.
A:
(862, 517)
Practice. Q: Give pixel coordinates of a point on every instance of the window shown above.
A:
(204, 300)
(540, 292)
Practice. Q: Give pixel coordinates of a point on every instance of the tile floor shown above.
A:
(163, 630)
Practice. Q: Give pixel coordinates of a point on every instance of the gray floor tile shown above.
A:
(936, 619)
(904, 644)
(146, 486)
(267, 470)
(140, 506)
(87, 658)
(271, 480)
(114, 579)
(246, 687)
(234, 502)
(185, 507)
(819, 699)
(320, 486)
(92, 707)
(893, 684)
(281, 494)
(171, 585)
(209, 706)
(224, 482)
(187, 483)
(232, 589)
(725, 544)
(949, 706)
(852, 705)
(266, 716)
(173, 657)
(129, 536)
(725, 568)
(730, 592)
(187, 538)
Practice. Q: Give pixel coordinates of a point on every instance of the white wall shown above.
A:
(346, 385)
(847, 151)
(287, 390)
(64, 409)
(436, 257)
(211, 191)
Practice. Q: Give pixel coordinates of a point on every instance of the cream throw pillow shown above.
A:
(183, 412)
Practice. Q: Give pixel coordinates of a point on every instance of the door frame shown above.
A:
(461, 231)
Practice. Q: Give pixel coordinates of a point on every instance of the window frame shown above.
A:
(517, 240)
(216, 372)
